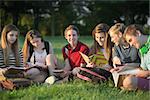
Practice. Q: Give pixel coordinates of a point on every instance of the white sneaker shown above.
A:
(50, 80)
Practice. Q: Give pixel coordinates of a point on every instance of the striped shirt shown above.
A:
(99, 59)
(12, 60)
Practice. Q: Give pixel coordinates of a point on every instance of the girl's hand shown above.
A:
(40, 65)
(91, 65)
(26, 65)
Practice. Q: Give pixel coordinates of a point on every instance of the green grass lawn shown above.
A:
(74, 90)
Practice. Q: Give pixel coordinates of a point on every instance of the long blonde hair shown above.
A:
(6, 48)
(115, 29)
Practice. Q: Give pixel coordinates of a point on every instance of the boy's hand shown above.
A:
(118, 69)
(143, 74)
(116, 60)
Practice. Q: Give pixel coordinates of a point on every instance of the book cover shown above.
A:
(14, 70)
(119, 76)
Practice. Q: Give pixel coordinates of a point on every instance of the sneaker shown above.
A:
(50, 80)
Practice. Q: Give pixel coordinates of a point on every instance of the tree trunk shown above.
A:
(36, 19)
(15, 18)
(53, 25)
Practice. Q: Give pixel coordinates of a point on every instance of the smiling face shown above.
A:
(72, 37)
(12, 37)
(115, 38)
(100, 38)
(133, 41)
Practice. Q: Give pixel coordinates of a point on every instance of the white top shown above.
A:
(38, 57)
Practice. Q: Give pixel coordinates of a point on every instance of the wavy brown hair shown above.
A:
(102, 28)
(6, 48)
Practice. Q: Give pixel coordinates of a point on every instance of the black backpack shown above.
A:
(31, 50)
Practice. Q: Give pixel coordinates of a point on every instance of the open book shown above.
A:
(58, 71)
(14, 70)
(119, 76)
(96, 59)
(86, 58)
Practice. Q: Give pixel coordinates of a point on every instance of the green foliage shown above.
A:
(147, 29)
(51, 17)
(44, 26)
(26, 20)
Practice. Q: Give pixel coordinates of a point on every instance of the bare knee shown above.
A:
(130, 83)
(51, 59)
(33, 72)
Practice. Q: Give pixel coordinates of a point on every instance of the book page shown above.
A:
(17, 68)
(116, 74)
(86, 58)
(57, 71)
(132, 71)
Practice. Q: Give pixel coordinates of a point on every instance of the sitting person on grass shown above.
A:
(37, 56)
(97, 69)
(134, 35)
(11, 56)
(71, 53)
(101, 50)
(123, 54)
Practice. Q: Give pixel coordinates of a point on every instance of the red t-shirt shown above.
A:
(75, 59)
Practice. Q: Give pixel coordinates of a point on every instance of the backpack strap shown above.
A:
(83, 77)
(46, 44)
(93, 73)
(46, 47)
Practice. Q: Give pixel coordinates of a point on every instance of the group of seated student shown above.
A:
(123, 53)
(113, 48)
